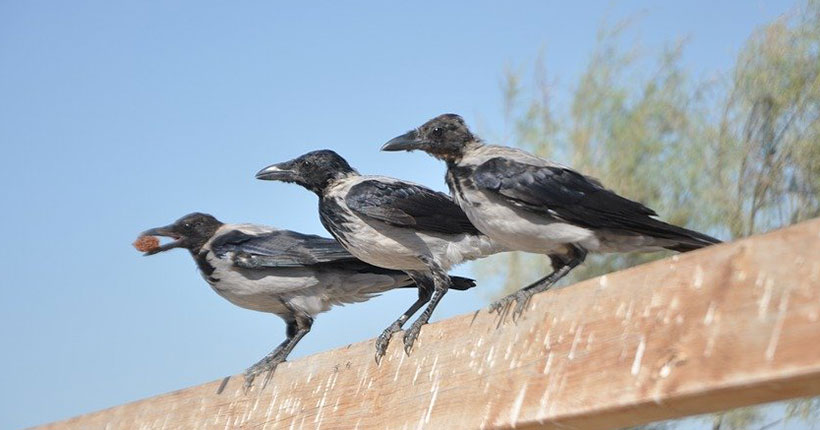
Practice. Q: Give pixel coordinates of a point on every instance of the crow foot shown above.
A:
(384, 340)
(267, 364)
(411, 335)
(504, 305)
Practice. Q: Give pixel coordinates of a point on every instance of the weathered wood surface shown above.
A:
(732, 325)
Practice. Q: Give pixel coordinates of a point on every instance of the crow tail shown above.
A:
(461, 284)
(690, 240)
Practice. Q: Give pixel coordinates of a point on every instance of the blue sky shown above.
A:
(119, 116)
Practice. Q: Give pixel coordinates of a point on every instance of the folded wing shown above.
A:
(408, 205)
(281, 248)
(569, 196)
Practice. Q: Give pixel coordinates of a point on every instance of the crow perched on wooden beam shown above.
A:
(295, 276)
(530, 204)
(392, 224)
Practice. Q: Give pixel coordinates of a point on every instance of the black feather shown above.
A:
(280, 248)
(567, 195)
(461, 284)
(408, 205)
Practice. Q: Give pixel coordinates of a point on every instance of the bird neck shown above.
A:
(321, 187)
(454, 159)
(201, 259)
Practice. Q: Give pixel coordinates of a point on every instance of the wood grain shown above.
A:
(732, 325)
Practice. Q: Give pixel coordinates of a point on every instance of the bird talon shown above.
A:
(497, 306)
(502, 305)
(268, 378)
(249, 377)
(267, 364)
(522, 302)
(381, 347)
(383, 341)
(408, 344)
(410, 337)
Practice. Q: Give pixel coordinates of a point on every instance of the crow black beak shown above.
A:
(406, 142)
(167, 231)
(278, 172)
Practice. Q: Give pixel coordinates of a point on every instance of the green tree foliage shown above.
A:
(765, 150)
(731, 156)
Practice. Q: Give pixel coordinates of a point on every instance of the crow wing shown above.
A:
(567, 195)
(281, 248)
(408, 205)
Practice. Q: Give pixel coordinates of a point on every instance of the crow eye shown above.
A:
(437, 132)
(187, 225)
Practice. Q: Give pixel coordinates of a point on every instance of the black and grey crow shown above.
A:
(293, 275)
(531, 204)
(389, 223)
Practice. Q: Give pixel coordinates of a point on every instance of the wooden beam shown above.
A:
(731, 325)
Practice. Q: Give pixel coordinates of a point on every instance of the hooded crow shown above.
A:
(293, 275)
(530, 204)
(392, 224)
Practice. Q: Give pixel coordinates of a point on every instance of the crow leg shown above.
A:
(441, 283)
(562, 264)
(297, 328)
(425, 292)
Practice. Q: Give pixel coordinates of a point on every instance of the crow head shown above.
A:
(444, 137)
(315, 170)
(189, 232)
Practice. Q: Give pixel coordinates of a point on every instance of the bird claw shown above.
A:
(381, 347)
(249, 377)
(502, 306)
(410, 336)
(268, 365)
(522, 302)
(383, 341)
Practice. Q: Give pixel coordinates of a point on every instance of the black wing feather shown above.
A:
(281, 248)
(408, 205)
(577, 199)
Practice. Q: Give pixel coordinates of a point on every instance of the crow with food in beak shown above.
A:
(295, 276)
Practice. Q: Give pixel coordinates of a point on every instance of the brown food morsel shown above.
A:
(146, 243)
